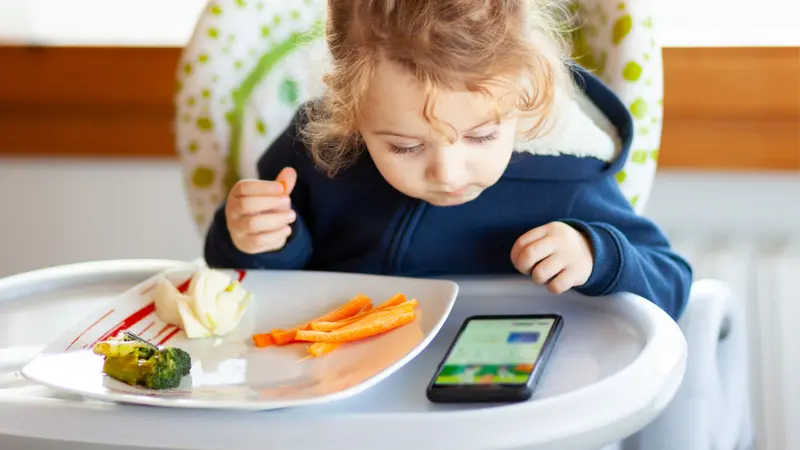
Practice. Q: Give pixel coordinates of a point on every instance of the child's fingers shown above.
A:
(264, 242)
(254, 188)
(533, 253)
(563, 282)
(527, 239)
(547, 269)
(244, 206)
(262, 223)
(288, 178)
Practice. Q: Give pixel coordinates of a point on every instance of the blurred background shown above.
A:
(88, 168)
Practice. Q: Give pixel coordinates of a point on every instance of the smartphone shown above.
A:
(495, 359)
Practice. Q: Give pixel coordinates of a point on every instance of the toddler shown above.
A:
(454, 138)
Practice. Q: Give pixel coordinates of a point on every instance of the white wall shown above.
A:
(54, 212)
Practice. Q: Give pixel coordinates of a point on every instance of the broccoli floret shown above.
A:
(134, 361)
(167, 368)
(183, 362)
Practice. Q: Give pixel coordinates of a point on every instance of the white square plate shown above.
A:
(230, 372)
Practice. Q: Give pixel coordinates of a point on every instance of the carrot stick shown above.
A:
(394, 301)
(330, 326)
(379, 316)
(279, 336)
(262, 340)
(318, 349)
(413, 303)
(283, 337)
(370, 326)
(351, 308)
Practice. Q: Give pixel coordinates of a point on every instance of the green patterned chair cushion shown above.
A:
(617, 42)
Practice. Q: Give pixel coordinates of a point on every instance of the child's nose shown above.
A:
(447, 169)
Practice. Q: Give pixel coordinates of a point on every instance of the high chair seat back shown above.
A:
(251, 63)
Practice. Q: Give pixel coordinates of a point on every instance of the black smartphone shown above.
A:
(495, 359)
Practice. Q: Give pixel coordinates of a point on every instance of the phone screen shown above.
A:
(496, 351)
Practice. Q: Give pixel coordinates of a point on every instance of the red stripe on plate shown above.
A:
(147, 290)
(141, 333)
(183, 287)
(163, 330)
(128, 322)
(89, 328)
(169, 336)
(242, 274)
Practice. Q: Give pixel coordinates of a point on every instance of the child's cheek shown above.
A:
(495, 157)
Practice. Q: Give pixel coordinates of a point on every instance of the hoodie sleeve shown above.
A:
(220, 251)
(631, 254)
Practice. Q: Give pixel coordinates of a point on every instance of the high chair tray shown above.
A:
(617, 364)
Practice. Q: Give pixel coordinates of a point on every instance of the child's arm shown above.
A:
(631, 254)
(220, 250)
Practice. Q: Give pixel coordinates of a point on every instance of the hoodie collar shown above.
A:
(588, 136)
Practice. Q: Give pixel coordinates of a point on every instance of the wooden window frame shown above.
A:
(727, 108)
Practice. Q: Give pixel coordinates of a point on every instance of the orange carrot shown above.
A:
(283, 337)
(351, 308)
(262, 340)
(370, 326)
(279, 336)
(330, 326)
(413, 303)
(318, 349)
(394, 301)
(404, 307)
(378, 316)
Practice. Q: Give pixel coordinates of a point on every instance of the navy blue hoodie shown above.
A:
(356, 222)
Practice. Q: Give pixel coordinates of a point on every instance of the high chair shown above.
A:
(251, 63)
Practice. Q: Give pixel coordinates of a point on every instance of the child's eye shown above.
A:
(404, 150)
(481, 139)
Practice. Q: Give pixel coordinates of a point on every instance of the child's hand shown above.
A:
(259, 213)
(555, 255)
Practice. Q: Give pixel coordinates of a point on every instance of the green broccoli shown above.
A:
(182, 360)
(134, 361)
(167, 368)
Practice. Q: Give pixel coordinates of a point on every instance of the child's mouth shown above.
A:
(460, 192)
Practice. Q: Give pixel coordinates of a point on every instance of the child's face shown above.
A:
(415, 158)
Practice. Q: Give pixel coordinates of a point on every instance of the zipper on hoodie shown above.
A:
(403, 233)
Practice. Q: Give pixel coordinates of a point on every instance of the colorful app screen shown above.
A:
(501, 351)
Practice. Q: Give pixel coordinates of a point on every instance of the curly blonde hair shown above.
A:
(466, 45)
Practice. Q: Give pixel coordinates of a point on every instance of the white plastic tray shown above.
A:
(617, 364)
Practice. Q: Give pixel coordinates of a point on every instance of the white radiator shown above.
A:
(765, 275)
